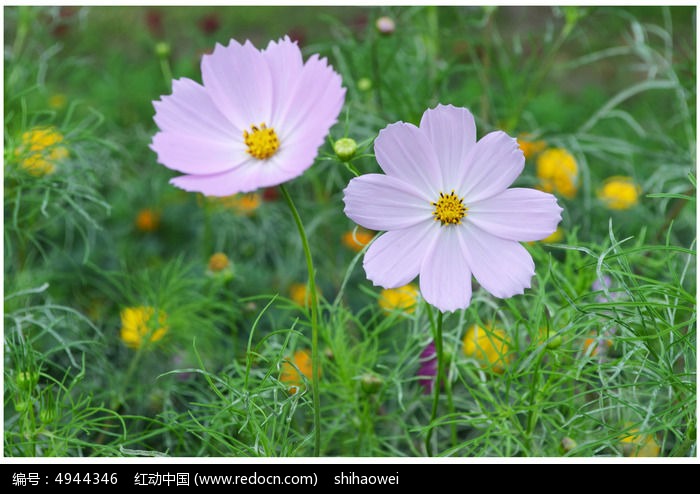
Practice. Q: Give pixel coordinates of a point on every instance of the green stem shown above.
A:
(314, 321)
(451, 409)
(438, 382)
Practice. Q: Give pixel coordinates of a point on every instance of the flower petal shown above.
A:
(246, 178)
(194, 136)
(394, 258)
(517, 214)
(238, 78)
(502, 267)
(445, 277)
(190, 110)
(404, 152)
(314, 101)
(492, 165)
(197, 154)
(382, 202)
(285, 62)
(452, 132)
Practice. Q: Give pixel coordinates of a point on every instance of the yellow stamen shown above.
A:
(262, 142)
(449, 209)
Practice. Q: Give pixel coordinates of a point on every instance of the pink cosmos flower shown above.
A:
(257, 120)
(447, 211)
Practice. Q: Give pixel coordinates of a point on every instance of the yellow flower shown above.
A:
(147, 220)
(529, 147)
(488, 346)
(356, 239)
(245, 204)
(558, 172)
(557, 236)
(293, 372)
(403, 298)
(619, 193)
(138, 324)
(639, 445)
(218, 262)
(40, 150)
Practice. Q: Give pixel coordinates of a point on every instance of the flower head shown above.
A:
(300, 294)
(635, 444)
(139, 325)
(258, 119)
(218, 262)
(345, 148)
(489, 346)
(427, 371)
(147, 220)
(558, 172)
(447, 210)
(403, 298)
(40, 150)
(294, 371)
(220, 267)
(385, 25)
(619, 193)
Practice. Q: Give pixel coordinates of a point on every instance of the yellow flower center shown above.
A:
(262, 142)
(449, 209)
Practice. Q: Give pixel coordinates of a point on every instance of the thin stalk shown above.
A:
(438, 381)
(314, 320)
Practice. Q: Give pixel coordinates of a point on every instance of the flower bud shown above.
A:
(371, 383)
(554, 343)
(385, 25)
(162, 49)
(345, 148)
(364, 84)
(26, 380)
(567, 444)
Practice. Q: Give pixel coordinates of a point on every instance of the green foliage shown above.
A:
(601, 355)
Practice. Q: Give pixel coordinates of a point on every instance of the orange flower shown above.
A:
(294, 372)
(595, 345)
(245, 204)
(299, 293)
(147, 220)
(218, 262)
(529, 147)
(356, 239)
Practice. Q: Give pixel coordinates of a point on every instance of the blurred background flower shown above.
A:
(140, 326)
(557, 172)
(41, 150)
(489, 346)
